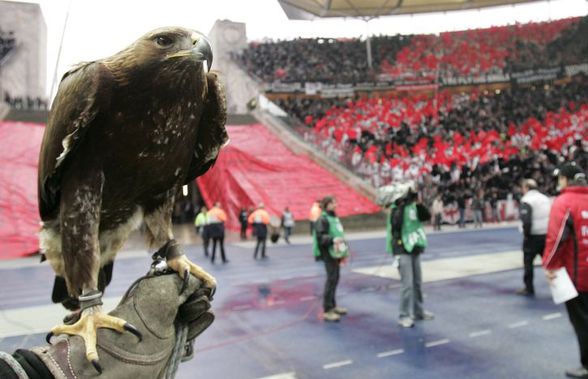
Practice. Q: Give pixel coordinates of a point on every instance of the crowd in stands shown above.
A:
(477, 140)
(471, 53)
(7, 43)
(25, 103)
(324, 60)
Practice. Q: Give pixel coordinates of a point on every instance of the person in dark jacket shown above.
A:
(243, 214)
(461, 205)
(566, 246)
(216, 225)
(259, 219)
(408, 243)
(331, 248)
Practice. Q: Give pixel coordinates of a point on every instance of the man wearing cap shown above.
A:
(534, 215)
(407, 241)
(566, 246)
(329, 246)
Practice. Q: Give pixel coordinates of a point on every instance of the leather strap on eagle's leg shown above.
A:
(90, 299)
(169, 251)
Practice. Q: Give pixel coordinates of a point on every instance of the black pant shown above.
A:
(438, 221)
(205, 244)
(243, 231)
(332, 267)
(532, 246)
(221, 242)
(260, 242)
(287, 232)
(578, 313)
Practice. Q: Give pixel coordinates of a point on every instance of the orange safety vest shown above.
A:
(259, 216)
(216, 215)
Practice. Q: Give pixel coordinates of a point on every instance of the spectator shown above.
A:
(496, 217)
(478, 207)
(201, 224)
(564, 247)
(534, 214)
(437, 211)
(243, 214)
(461, 204)
(331, 248)
(216, 225)
(408, 243)
(259, 220)
(287, 224)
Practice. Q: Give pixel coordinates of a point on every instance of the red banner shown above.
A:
(19, 217)
(257, 167)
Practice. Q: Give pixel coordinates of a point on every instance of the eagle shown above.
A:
(124, 134)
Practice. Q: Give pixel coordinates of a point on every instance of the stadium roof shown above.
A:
(368, 9)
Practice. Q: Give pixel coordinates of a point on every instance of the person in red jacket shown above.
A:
(566, 246)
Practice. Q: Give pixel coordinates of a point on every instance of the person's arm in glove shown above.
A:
(168, 319)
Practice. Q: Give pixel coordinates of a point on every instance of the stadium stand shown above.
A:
(521, 109)
(323, 60)
(396, 138)
(490, 51)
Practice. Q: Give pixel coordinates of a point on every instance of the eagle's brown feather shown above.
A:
(138, 125)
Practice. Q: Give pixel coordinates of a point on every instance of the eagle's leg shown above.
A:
(159, 228)
(91, 319)
(80, 221)
(178, 262)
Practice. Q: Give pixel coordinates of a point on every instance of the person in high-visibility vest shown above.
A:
(408, 241)
(201, 224)
(259, 219)
(331, 248)
(216, 225)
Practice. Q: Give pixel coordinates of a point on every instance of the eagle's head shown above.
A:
(167, 68)
(167, 54)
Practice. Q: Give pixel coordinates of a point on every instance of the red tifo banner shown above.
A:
(257, 167)
(19, 216)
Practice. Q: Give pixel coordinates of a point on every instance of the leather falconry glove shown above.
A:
(168, 312)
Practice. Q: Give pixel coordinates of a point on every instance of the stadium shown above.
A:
(300, 189)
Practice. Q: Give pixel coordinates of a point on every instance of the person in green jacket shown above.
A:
(202, 227)
(408, 241)
(330, 247)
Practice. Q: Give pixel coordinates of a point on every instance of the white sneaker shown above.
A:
(406, 322)
(426, 316)
(331, 316)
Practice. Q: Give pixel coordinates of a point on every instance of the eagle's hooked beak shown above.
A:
(202, 50)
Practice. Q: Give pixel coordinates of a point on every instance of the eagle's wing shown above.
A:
(83, 91)
(211, 132)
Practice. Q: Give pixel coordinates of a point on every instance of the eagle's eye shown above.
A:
(164, 41)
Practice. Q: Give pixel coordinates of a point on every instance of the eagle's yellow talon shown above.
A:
(182, 265)
(86, 328)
